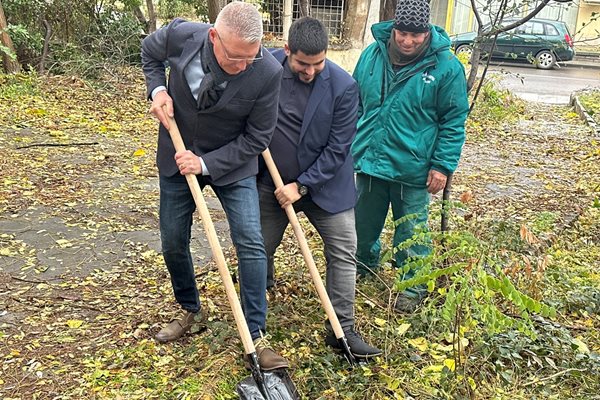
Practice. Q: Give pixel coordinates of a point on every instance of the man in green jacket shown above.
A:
(410, 133)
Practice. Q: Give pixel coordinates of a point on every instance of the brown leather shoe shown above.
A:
(267, 358)
(178, 327)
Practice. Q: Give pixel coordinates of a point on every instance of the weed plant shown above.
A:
(590, 100)
(490, 319)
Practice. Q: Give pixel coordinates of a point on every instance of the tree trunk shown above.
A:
(42, 64)
(214, 7)
(475, 60)
(357, 23)
(151, 16)
(9, 61)
(139, 15)
(388, 8)
(304, 6)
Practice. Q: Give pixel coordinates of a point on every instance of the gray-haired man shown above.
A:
(223, 90)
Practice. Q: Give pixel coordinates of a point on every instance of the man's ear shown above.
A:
(286, 48)
(212, 34)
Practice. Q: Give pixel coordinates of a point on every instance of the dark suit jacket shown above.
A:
(328, 129)
(228, 136)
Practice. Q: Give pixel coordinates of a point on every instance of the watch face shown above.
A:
(303, 190)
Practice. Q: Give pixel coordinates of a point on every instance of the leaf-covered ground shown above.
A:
(84, 288)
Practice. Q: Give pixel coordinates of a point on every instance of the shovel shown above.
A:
(310, 262)
(272, 385)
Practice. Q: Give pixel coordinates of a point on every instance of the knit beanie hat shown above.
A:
(412, 16)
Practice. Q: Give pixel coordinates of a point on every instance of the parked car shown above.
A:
(542, 42)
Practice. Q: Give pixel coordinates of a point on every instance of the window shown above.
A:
(524, 29)
(538, 29)
(551, 30)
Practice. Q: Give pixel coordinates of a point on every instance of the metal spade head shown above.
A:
(276, 384)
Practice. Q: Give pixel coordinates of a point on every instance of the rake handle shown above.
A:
(215, 246)
(306, 253)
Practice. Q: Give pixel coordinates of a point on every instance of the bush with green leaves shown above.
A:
(84, 34)
(485, 280)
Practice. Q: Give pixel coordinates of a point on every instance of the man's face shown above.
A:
(306, 67)
(409, 42)
(233, 54)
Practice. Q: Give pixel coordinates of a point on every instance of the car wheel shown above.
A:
(464, 48)
(545, 60)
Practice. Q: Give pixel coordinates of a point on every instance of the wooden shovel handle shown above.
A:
(308, 258)
(215, 246)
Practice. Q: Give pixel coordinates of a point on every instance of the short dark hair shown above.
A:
(308, 35)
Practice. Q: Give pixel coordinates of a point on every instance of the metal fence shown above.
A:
(279, 14)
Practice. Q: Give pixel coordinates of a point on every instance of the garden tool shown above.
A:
(272, 385)
(445, 204)
(310, 262)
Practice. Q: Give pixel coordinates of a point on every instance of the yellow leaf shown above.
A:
(380, 321)
(74, 323)
(419, 343)
(165, 360)
(6, 252)
(581, 347)
(401, 330)
(367, 371)
(64, 243)
(56, 133)
(445, 348)
(472, 383)
(433, 368)
(450, 364)
(139, 153)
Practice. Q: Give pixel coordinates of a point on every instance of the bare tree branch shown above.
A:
(521, 21)
(477, 16)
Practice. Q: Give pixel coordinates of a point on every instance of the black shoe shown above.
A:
(358, 347)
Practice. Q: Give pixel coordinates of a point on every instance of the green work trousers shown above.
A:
(374, 198)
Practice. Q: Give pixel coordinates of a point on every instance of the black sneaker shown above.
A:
(359, 348)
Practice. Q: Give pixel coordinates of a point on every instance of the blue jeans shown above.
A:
(339, 240)
(240, 202)
(374, 198)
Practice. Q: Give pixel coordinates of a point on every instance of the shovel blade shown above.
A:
(278, 386)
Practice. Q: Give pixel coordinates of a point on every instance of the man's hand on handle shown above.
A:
(188, 163)
(162, 107)
(287, 194)
(436, 181)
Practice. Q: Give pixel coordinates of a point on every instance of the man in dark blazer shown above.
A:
(311, 148)
(223, 90)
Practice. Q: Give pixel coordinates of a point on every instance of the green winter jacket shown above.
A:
(412, 121)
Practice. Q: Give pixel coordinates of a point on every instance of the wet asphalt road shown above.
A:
(547, 86)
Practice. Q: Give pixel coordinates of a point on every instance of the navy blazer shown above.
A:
(228, 136)
(327, 133)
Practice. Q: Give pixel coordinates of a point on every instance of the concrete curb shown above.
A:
(580, 64)
(585, 60)
(582, 112)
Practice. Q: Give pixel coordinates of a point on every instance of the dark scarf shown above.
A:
(400, 60)
(211, 87)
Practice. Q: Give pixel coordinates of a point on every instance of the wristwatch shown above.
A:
(303, 190)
